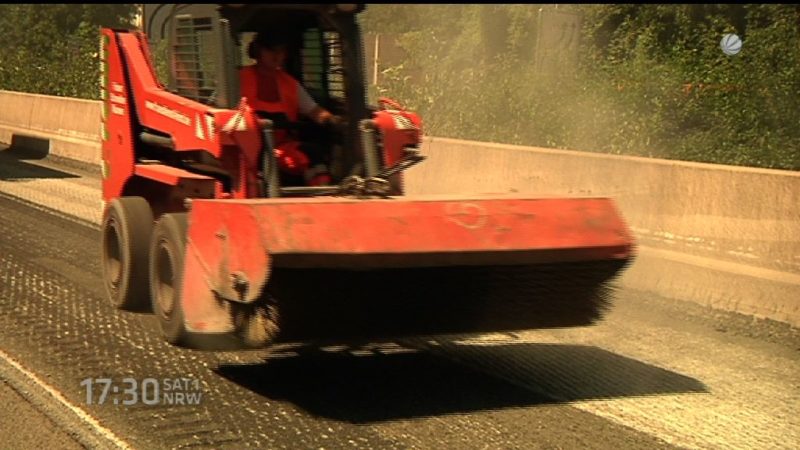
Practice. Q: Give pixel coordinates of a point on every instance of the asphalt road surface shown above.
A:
(654, 374)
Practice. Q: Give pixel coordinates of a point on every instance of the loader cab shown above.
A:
(205, 46)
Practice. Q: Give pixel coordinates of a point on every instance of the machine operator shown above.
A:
(271, 89)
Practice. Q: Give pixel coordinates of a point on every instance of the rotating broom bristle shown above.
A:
(342, 304)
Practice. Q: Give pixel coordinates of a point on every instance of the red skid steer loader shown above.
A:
(200, 225)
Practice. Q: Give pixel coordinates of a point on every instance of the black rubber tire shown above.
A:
(126, 228)
(167, 255)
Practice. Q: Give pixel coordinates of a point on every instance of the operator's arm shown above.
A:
(310, 108)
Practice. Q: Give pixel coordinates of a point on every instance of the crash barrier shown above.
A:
(723, 236)
(56, 126)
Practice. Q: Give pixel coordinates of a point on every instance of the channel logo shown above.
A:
(730, 44)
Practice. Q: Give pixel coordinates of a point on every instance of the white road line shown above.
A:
(83, 415)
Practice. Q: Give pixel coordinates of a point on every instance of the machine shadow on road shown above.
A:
(13, 165)
(377, 386)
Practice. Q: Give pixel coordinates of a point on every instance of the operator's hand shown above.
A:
(335, 122)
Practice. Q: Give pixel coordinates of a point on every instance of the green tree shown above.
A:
(652, 79)
(53, 48)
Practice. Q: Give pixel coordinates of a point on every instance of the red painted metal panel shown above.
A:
(167, 174)
(182, 119)
(220, 245)
(190, 124)
(399, 129)
(403, 226)
(116, 132)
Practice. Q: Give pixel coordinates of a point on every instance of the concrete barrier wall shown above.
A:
(726, 237)
(71, 125)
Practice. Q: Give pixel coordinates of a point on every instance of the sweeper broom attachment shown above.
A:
(340, 268)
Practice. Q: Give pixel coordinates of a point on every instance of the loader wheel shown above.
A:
(167, 249)
(127, 223)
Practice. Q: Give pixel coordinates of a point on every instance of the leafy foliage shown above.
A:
(651, 79)
(53, 48)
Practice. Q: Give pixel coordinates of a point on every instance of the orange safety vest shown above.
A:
(291, 158)
(249, 82)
